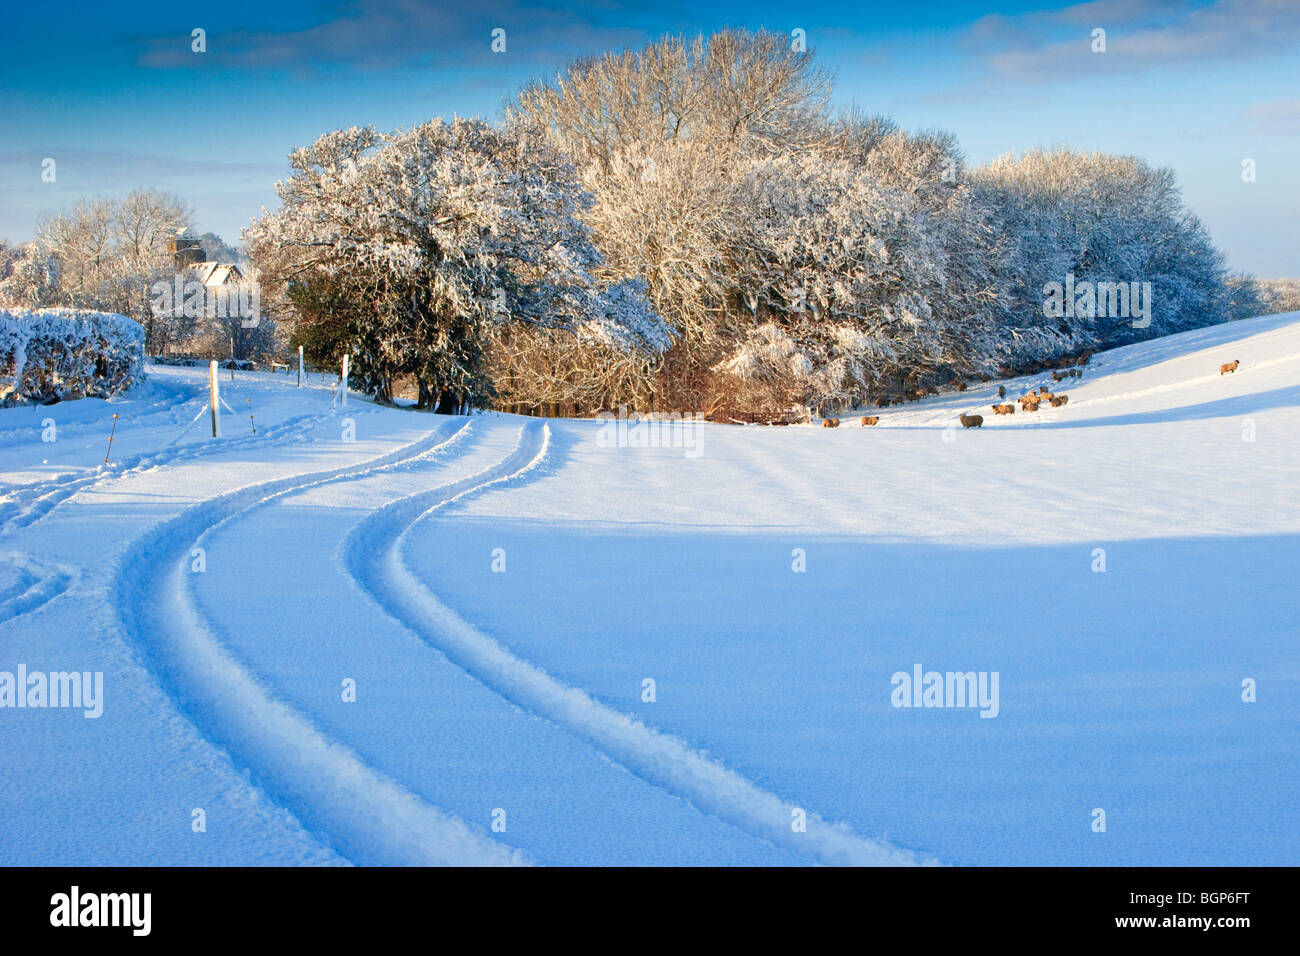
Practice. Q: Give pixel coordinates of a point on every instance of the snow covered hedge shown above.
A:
(52, 354)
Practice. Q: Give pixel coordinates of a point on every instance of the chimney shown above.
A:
(185, 250)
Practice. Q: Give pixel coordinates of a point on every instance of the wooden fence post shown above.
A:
(214, 399)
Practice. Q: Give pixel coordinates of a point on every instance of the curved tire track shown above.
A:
(373, 555)
(33, 502)
(43, 581)
(370, 818)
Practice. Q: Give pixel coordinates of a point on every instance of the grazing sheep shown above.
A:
(830, 423)
(1004, 409)
(984, 377)
(870, 419)
(971, 421)
(1030, 406)
(1230, 367)
(1057, 376)
(1083, 359)
(883, 402)
(961, 386)
(1059, 400)
(1002, 391)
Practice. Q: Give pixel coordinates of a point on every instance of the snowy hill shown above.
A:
(376, 636)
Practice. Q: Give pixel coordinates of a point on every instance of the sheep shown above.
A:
(1002, 391)
(1057, 376)
(1059, 400)
(961, 386)
(971, 421)
(884, 402)
(1083, 358)
(1004, 409)
(870, 419)
(830, 423)
(1030, 406)
(1230, 367)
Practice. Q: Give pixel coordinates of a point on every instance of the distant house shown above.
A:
(193, 263)
(214, 275)
(205, 286)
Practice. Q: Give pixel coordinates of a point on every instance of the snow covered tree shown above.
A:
(31, 278)
(104, 255)
(1099, 218)
(659, 135)
(431, 239)
(800, 254)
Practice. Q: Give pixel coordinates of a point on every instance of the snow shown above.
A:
(521, 690)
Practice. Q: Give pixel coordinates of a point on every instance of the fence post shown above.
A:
(214, 399)
(300, 366)
(110, 439)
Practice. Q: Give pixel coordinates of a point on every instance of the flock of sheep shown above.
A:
(1029, 402)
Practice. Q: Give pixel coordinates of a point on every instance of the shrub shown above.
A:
(52, 354)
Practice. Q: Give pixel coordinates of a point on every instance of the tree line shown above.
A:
(691, 226)
(111, 256)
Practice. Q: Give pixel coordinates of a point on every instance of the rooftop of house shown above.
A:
(216, 273)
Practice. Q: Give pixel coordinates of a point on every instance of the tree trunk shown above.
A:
(446, 402)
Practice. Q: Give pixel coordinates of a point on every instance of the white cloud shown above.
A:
(1051, 45)
(1277, 116)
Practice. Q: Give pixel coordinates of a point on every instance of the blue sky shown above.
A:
(119, 101)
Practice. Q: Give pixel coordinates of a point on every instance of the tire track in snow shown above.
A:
(43, 581)
(370, 818)
(1206, 380)
(160, 408)
(373, 555)
(33, 502)
(943, 419)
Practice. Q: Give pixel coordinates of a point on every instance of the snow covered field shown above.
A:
(499, 591)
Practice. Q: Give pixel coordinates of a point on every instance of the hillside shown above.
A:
(500, 588)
